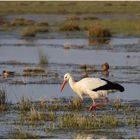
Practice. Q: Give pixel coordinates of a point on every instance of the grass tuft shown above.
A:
(42, 23)
(43, 59)
(28, 32)
(19, 134)
(34, 115)
(29, 71)
(3, 100)
(24, 104)
(70, 25)
(87, 122)
(42, 104)
(98, 34)
(31, 31)
(73, 105)
(22, 22)
(133, 120)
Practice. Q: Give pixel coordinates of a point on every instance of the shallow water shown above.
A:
(56, 17)
(123, 55)
(37, 92)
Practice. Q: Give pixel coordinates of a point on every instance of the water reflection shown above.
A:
(80, 135)
(98, 41)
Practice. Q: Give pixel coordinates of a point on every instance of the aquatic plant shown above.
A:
(98, 34)
(87, 122)
(133, 120)
(73, 17)
(20, 134)
(34, 115)
(24, 104)
(42, 23)
(90, 18)
(33, 71)
(56, 107)
(50, 116)
(3, 96)
(43, 58)
(73, 105)
(3, 100)
(31, 31)
(28, 32)
(41, 28)
(70, 25)
(128, 109)
(42, 104)
(21, 22)
(117, 105)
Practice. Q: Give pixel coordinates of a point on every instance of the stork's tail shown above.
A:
(118, 87)
(110, 86)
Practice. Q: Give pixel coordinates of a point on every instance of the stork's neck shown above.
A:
(72, 83)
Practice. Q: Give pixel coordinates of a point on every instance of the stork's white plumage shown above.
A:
(93, 87)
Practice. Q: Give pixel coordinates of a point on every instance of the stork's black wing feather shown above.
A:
(110, 86)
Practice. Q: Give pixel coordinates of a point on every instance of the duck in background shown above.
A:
(7, 74)
(104, 69)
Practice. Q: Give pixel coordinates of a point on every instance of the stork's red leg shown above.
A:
(95, 105)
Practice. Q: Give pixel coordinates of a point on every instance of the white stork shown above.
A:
(93, 87)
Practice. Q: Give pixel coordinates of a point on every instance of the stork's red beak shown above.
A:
(63, 85)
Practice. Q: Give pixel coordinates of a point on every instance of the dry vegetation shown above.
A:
(75, 7)
(3, 100)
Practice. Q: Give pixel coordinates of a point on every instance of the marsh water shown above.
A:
(122, 54)
(16, 53)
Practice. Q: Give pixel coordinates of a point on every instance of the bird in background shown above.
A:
(92, 87)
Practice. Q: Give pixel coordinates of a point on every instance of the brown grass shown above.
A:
(24, 104)
(21, 22)
(3, 100)
(33, 71)
(31, 31)
(98, 34)
(70, 26)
